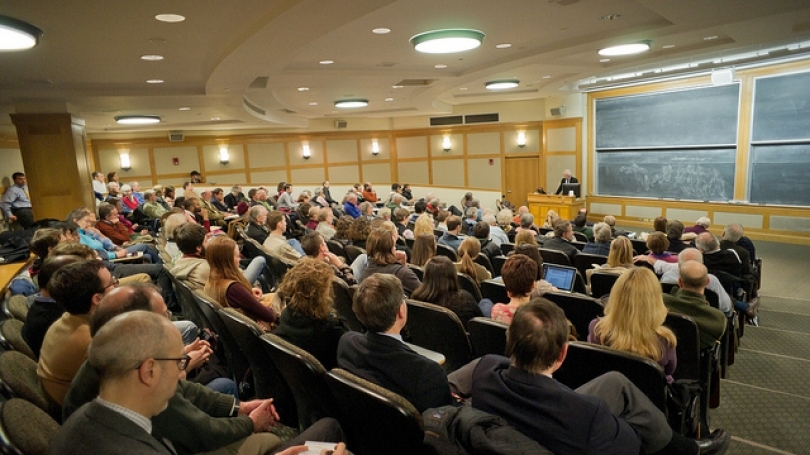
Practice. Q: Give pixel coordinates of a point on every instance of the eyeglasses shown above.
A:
(113, 282)
(182, 361)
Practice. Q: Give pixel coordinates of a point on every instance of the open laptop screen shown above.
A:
(560, 276)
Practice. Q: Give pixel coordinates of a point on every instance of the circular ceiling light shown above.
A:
(503, 46)
(440, 66)
(388, 100)
(381, 31)
(502, 84)
(137, 119)
(303, 89)
(152, 57)
(447, 41)
(154, 81)
(169, 17)
(184, 108)
(313, 103)
(351, 104)
(16, 35)
(625, 49)
(326, 62)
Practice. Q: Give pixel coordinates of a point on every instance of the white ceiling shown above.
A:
(88, 61)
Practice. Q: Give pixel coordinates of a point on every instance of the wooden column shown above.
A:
(54, 154)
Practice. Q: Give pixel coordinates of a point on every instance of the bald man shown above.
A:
(138, 375)
(690, 301)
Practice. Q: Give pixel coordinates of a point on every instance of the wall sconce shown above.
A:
(521, 141)
(125, 163)
(224, 156)
(446, 144)
(375, 147)
(306, 152)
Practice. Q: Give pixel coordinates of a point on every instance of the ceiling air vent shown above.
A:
(415, 82)
(481, 118)
(443, 121)
(176, 136)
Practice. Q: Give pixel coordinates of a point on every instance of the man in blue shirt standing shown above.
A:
(16, 203)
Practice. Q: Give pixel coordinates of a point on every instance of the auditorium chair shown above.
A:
(438, 329)
(580, 309)
(343, 296)
(487, 336)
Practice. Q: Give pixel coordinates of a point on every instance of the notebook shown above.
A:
(561, 277)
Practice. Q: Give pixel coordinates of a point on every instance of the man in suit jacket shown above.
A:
(608, 415)
(380, 356)
(567, 178)
(563, 235)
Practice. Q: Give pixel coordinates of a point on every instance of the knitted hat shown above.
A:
(241, 208)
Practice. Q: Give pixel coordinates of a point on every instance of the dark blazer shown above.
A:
(389, 363)
(319, 337)
(552, 414)
(97, 429)
(571, 180)
(256, 233)
(557, 243)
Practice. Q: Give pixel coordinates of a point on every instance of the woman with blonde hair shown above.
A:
(619, 259)
(551, 218)
(309, 320)
(504, 220)
(525, 238)
(634, 318)
(424, 249)
(423, 225)
(227, 284)
(467, 252)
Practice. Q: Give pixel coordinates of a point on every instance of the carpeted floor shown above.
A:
(765, 401)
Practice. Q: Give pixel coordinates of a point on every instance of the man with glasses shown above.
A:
(78, 288)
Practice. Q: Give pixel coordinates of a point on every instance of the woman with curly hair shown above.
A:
(227, 284)
(424, 248)
(359, 231)
(423, 225)
(309, 320)
(467, 252)
(441, 288)
(634, 318)
(342, 228)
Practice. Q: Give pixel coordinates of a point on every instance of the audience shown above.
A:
(383, 259)
(519, 274)
(314, 246)
(276, 243)
(424, 248)
(441, 287)
(600, 243)
(467, 252)
(563, 235)
(689, 300)
(359, 232)
(658, 246)
(452, 237)
(580, 225)
(257, 224)
(489, 247)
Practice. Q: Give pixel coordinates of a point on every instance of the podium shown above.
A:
(566, 207)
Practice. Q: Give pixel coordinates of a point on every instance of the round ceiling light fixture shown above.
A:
(17, 35)
(625, 49)
(351, 103)
(170, 17)
(503, 84)
(137, 119)
(447, 41)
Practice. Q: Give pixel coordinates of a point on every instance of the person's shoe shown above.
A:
(716, 444)
(751, 312)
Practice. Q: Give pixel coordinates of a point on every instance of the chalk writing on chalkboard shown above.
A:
(681, 174)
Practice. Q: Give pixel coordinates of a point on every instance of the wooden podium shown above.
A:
(565, 206)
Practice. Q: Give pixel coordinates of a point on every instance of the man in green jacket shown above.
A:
(688, 299)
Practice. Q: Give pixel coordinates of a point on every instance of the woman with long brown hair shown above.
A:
(467, 252)
(382, 258)
(441, 288)
(228, 286)
(424, 248)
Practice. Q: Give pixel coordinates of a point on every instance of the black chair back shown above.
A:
(495, 291)
(579, 245)
(418, 271)
(487, 336)
(343, 296)
(409, 243)
(507, 247)
(304, 376)
(444, 250)
(188, 306)
(352, 252)
(484, 262)
(586, 361)
(554, 256)
(639, 246)
(584, 261)
(376, 420)
(426, 321)
(580, 309)
(602, 283)
(236, 360)
(468, 284)
(580, 237)
(336, 248)
(497, 265)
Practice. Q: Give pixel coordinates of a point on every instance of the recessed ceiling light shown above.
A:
(709, 38)
(547, 76)
(381, 31)
(169, 17)
(184, 108)
(463, 88)
(137, 119)
(447, 41)
(326, 62)
(502, 84)
(351, 103)
(389, 99)
(625, 49)
(440, 66)
(152, 57)
(503, 46)
(313, 103)
(611, 17)
(396, 86)
(16, 35)
(154, 81)
(215, 118)
(667, 46)
(604, 60)
(303, 89)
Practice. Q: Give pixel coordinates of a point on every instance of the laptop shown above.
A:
(561, 277)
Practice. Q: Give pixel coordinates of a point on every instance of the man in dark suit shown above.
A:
(567, 178)
(380, 356)
(563, 236)
(608, 415)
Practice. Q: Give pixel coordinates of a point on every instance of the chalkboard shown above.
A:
(704, 175)
(782, 108)
(698, 116)
(781, 174)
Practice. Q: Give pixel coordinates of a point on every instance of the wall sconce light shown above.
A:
(375, 147)
(306, 152)
(125, 163)
(446, 144)
(521, 141)
(224, 156)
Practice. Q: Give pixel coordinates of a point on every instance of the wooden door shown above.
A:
(522, 176)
